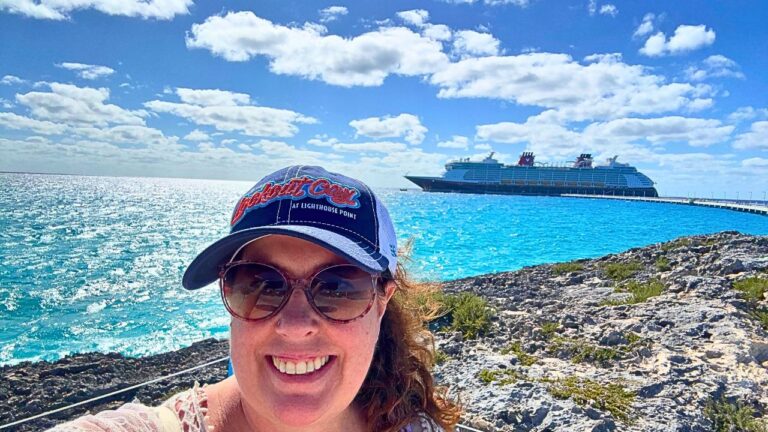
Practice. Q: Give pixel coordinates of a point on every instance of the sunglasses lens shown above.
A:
(343, 292)
(253, 291)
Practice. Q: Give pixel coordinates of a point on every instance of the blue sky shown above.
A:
(232, 90)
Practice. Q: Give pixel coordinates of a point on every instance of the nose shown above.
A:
(297, 319)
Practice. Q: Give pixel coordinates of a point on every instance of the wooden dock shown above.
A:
(760, 208)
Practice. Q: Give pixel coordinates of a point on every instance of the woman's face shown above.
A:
(298, 336)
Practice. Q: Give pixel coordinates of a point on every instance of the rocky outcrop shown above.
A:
(579, 354)
(28, 388)
(638, 341)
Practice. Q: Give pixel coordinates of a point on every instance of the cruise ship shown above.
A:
(530, 178)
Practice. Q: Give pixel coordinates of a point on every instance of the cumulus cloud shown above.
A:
(756, 138)
(747, 113)
(686, 38)
(693, 131)
(364, 60)
(60, 9)
(756, 162)
(11, 80)
(715, 66)
(604, 88)
(332, 13)
(322, 141)
(87, 71)
(645, 27)
(439, 32)
(404, 125)
(197, 135)
(78, 105)
(212, 97)
(469, 43)
(609, 9)
(226, 111)
(456, 142)
(17, 122)
(415, 17)
(520, 3)
(378, 146)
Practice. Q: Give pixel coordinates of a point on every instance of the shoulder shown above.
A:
(190, 408)
(134, 417)
(422, 423)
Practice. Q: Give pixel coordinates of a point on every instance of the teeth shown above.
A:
(300, 367)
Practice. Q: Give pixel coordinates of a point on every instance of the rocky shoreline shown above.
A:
(656, 338)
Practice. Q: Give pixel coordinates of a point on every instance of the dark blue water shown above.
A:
(95, 263)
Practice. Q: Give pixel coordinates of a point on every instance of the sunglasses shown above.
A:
(254, 291)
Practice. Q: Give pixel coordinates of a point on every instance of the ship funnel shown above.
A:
(526, 159)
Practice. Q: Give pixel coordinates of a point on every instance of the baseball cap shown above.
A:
(331, 210)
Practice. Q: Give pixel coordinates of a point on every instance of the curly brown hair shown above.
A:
(399, 384)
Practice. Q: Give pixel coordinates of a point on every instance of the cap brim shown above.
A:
(204, 269)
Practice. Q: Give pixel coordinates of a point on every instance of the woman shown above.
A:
(324, 332)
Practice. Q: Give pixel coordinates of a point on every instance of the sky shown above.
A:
(377, 90)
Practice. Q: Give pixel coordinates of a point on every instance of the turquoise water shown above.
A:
(95, 263)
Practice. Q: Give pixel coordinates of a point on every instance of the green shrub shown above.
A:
(468, 314)
(498, 376)
(640, 292)
(441, 357)
(761, 315)
(752, 289)
(622, 271)
(733, 416)
(569, 267)
(523, 357)
(662, 264)
(612, 398)
(549, 328)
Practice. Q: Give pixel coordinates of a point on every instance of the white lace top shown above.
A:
(184, 412)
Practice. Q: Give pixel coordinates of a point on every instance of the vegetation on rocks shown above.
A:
(621, 271)
(662, 264)
(639, 292)
(675, 244)
(523, 357)
(568, 267)
(468, 313)
(498, 376)
(753, 290)
(733, 417)
(611, 397)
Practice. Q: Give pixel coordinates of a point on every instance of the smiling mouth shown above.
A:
(299, 367)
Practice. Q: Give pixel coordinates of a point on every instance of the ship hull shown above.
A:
(434, 184)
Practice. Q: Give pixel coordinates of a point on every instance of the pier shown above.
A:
(757, 207)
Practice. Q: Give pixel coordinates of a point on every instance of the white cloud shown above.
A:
(645, 27)
(228, 116)
(756, 162)
(197, 135)
(747, 113)
(456, 142)
(404, 125)
(686, 38)
(693, 131)
(364, 60)
(322, 141)
(605, 88)
(87, 71)
(469, 43)
(17, 122)
(378, 146)
(127, 134)
(332, 13)
(212, 97)
(756, 138)
(592, 6)
(715, 66)
(415, 17)
(6, 103)
(439, 32)
(520, 3)
(78, 105)
(60, 9)
(609, 9)
(11, 80)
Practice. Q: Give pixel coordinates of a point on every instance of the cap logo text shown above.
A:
(298, 188)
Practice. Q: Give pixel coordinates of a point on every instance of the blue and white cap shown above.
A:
(331, 210)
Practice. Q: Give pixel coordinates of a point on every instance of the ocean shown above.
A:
(95, 263)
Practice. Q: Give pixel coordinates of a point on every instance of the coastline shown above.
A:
(669, 355)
